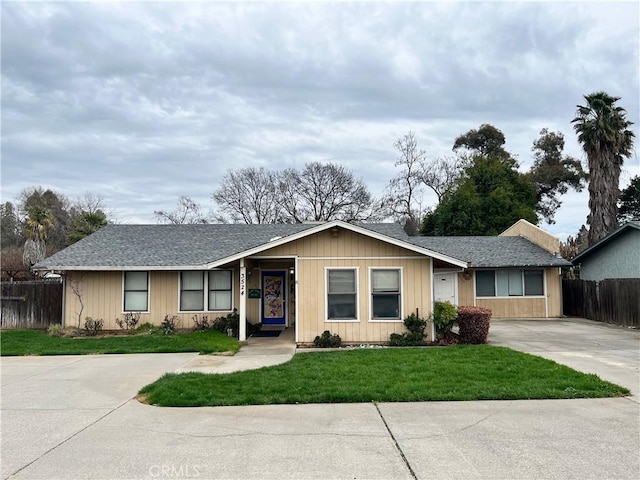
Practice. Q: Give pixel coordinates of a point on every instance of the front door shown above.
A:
(444, 287)
(273, 297)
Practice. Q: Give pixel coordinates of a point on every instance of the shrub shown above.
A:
(229, 322)
(415, 335)
(128, 321)
(327, 340)
(445, 316)
(473, 323)
(146, 327)
(169, 325)
(201, 323)
(55, 330)
(93, 327)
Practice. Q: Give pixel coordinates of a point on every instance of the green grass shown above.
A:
(34, 342)
(465, 372)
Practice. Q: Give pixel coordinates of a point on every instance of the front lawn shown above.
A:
(34, 342)
(464, 372)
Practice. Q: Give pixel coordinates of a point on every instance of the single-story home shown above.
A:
(615, 256)
(357, 280)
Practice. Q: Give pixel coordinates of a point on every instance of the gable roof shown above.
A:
(493, 252)
(170, 247)
(184, 247)
(603, 241)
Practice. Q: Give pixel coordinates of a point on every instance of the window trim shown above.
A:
(124, 273)
(180, 290)
(208, 291)
(205, 301)
(356, 271)
(495, 280)
(400, 296)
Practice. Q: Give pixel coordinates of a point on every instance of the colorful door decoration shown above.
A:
(273, 298)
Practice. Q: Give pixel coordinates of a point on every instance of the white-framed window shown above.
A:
(220, 290)
(386, 294)
(510, 283)
(135, 291)
(192, 291)
(342, 294)
(206, 291)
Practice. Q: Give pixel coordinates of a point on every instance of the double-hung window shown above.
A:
(219, 290)
(386, 297)
(342, 294)
(509, 283)
(192, 291)
(218, 287)
(136, 291)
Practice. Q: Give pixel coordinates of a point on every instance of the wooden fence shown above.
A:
(34, 304)
(615, 300)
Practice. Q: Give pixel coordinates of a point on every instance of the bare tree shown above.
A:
(323, 192)
(249, 195)
(403, 197)
(187, 211)
(74, 282)
(440, 174)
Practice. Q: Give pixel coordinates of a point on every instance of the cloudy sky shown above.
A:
(143, 102)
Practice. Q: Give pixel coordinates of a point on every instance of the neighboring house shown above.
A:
(358, 281)
(615, 256)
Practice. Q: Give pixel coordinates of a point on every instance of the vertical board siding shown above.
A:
(312, 319)
(517, 307)
(102, 297)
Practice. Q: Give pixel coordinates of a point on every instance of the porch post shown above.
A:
(242, 334)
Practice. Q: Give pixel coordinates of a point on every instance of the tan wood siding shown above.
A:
(521, 307)
(517, 307)
(534, 234)
(312, 320)
(554, 292)
(102, 296)
(465, 288)
(346, 244)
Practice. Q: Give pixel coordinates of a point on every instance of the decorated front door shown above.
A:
(273, 298)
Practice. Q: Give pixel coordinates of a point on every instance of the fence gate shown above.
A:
(34, 304)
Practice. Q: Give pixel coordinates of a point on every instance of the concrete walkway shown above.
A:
(257, 352)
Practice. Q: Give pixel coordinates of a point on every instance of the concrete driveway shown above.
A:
(74, 417)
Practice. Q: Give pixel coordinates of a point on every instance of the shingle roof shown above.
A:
(165, 245)
(629, 226)
(492, 252)
(197, 245)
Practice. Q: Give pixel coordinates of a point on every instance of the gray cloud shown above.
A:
(143, 102)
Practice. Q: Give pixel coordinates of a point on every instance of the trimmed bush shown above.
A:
(327, 340)
(473, 323)
(415, 335)
(93, 327)
(444, 318)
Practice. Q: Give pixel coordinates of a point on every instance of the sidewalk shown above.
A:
(256, 352)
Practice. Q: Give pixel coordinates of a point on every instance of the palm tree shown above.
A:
(39, 221)
(602, 130)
